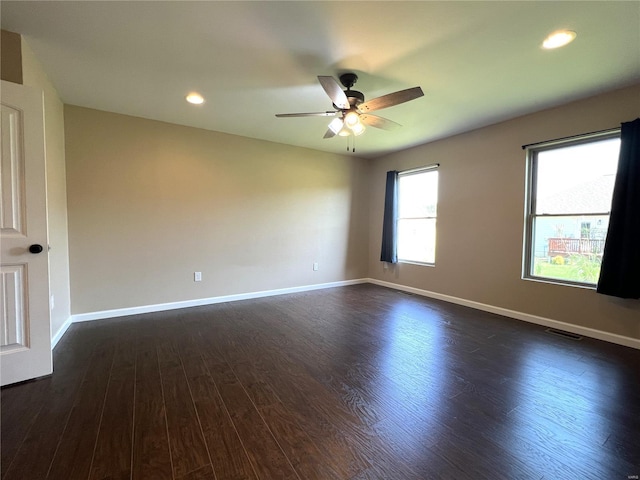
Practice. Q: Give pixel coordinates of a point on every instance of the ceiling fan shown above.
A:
(351, 111)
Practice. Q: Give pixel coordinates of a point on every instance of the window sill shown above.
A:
(412, 262)
(563, 283)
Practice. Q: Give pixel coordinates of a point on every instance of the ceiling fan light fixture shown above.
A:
(358, 129)
(351, 119)
(559, 39)
(336, 125)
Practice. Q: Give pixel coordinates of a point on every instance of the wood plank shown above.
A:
(36, 452)
(334, 433)
(76, 447)
(151, 459)
(188, 449)
(23, 402)
(307, 459)
(112, 457)
(265, 454)
(228, 455)
(202, 473)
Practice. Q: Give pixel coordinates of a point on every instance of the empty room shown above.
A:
(319, 240)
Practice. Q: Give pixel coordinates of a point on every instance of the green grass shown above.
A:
(543, 269)
(580, 269)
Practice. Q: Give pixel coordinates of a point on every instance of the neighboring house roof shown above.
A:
(589, 197)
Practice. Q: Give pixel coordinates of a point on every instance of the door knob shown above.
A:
(35, 248)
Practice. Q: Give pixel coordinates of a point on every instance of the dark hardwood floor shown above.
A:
(359, 382)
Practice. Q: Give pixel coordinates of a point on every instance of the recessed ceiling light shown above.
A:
(559, 39)
(195, 98)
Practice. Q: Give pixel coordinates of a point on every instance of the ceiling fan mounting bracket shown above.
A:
(348, 80)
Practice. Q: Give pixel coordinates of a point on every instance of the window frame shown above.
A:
(405, 173)
(532, 152)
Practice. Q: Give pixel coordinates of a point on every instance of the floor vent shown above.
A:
(562, 333)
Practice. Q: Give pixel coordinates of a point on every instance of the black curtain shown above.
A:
(620, 269)
(389, 222)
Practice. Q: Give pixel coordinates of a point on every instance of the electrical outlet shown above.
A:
(315, 266)
(197, 276)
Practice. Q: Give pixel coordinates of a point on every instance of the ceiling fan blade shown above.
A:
(334, 90)
(308, 114)
(329, 133)
(379, 122)
(391, 99)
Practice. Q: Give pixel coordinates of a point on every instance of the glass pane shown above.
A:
(417, 240)
(569, 248)
(577, 179)
(418, 194)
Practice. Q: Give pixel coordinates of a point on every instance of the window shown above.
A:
(417, 207)
(570, 187)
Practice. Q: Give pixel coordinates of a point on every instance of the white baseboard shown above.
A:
(547, 322)
(61, 331)
(122, 312)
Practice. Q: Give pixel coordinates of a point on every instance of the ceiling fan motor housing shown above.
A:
(349, 80)
(355, 98)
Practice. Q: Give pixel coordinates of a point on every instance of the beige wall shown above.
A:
(34, 76)
(481, 212)
(150, 203)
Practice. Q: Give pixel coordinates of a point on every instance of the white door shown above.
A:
(25, 324)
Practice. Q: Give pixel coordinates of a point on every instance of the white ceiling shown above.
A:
(477, 62)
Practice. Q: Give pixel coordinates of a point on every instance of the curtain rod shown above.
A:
(598, 132)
